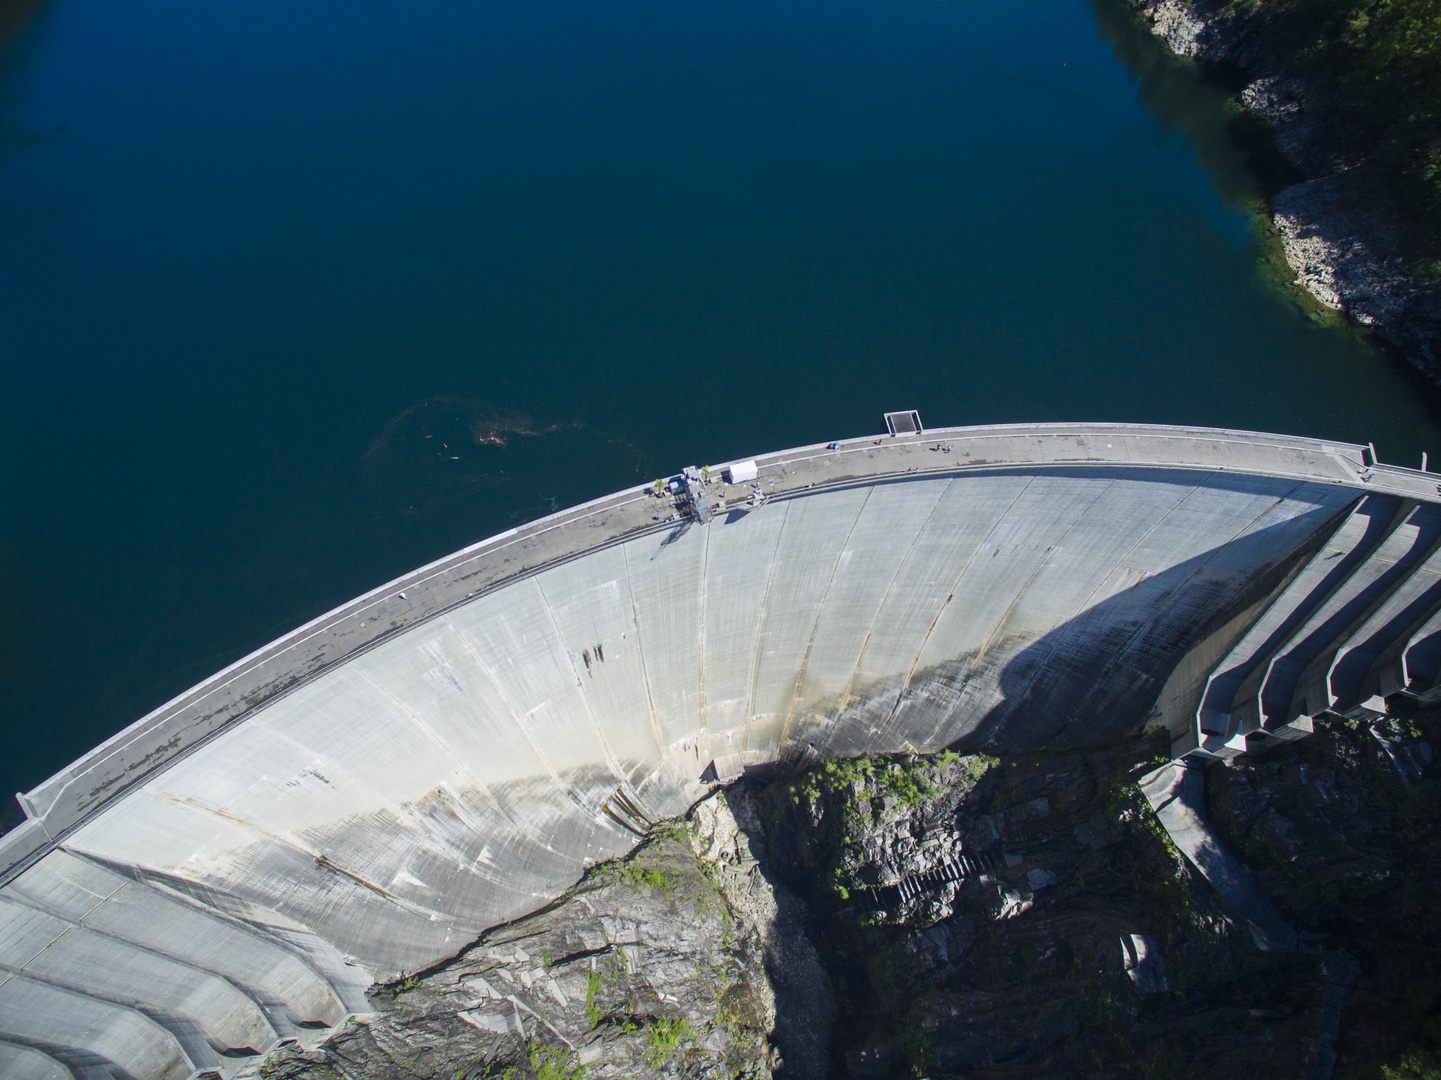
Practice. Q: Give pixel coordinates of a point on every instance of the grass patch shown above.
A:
(979, 765)
(661, 1041)
(593, 1015)
(553, 1063)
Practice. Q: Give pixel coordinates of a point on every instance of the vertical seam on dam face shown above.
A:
(1127, 556)
(98, 898)
(510, 706)
(610, 758)
(889, 593)
(1171, 599)
(666, 758)
(456, 763)
(800, 674)
(425, 729)
(950, 595)
(522, 825)
(1121, 561)
(1279, 501)
(702, 620)
(762, 610)
(1023, 547)
(473, 761)
(1042, 559)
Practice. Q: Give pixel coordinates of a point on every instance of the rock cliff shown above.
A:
(1028, 918)
(880, 918)
(680, 960)
(1341, 830)
(645, 968)
(1345, 247)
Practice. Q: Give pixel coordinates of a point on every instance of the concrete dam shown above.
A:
(367, 795)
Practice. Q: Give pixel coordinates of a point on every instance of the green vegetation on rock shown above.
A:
(1416, 1065)
(593, 983)
(641, 878)
(1029, 878)
(640, 971)
(553, 1063)
(664, 1036)
(1382, 59)
(1047, 927)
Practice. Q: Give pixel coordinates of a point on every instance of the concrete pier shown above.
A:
(366, 795)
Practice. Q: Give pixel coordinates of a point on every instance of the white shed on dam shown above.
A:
(366, 795)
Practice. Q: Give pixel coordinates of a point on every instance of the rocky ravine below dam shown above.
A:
(1345, 248)
(957, 916)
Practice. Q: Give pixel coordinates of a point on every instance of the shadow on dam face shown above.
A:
(1091, 680)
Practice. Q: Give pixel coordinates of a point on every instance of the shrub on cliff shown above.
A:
(1383, 58)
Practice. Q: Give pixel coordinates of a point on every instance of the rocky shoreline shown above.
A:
(1346, 252)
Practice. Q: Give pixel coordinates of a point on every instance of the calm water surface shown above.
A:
(296, 296)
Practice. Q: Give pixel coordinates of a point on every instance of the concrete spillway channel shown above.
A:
(368, 794)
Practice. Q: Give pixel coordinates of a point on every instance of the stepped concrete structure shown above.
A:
(365, 796)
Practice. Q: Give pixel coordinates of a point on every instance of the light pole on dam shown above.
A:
(365, 796)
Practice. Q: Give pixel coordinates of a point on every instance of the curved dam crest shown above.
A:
(369, 794)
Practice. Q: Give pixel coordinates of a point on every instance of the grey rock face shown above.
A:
(1183, 26)
(1346, 250)
(651, 966)
(1340, 830)
(1300, 117)
(727, 837)
(944, 916)
(1076, 942)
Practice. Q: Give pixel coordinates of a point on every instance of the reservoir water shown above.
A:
(296, 296)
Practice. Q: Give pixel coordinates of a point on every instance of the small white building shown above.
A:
(741, 472)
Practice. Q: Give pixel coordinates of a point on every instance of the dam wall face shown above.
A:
(368, 795)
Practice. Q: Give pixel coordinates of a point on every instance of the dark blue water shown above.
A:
(296, 296)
